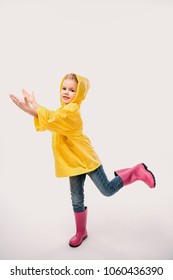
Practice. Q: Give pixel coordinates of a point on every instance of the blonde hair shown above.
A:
(71, 76)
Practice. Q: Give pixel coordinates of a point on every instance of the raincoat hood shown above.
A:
(82, 89)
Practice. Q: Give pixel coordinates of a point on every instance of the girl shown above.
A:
(73, 153)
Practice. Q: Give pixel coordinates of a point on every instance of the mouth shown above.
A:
(65, 97)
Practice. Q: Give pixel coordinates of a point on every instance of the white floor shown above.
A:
(136, 223)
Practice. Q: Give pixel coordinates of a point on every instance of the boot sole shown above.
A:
(151, 174)
(74, 246)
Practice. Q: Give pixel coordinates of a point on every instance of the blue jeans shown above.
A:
(101, 181)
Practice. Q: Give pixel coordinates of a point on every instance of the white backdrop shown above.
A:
(125, 49)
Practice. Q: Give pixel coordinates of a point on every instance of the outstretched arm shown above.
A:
(63, 120)
(28, 105)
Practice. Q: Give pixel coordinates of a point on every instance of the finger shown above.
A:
(26, 100)
(25, 93)
(14, 98)
(15, 101)
(33, 94)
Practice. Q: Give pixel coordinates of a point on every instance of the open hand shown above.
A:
(22, 104)
(27, 96)
(30, 98)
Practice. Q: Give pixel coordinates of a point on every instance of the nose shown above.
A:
(66, 92)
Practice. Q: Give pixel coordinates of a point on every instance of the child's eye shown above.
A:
(72, 90)
(64, 88)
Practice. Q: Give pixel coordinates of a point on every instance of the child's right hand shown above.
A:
(24, 105)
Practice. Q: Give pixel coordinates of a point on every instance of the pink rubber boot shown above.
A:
(81, 232)
(120, 171)
(138, 172)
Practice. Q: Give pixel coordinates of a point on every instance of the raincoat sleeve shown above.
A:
(61, 120)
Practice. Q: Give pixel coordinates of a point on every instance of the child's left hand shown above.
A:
(30, 98)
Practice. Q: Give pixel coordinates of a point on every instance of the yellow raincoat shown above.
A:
(73, 152)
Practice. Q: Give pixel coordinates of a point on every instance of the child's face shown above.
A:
(68, 91)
